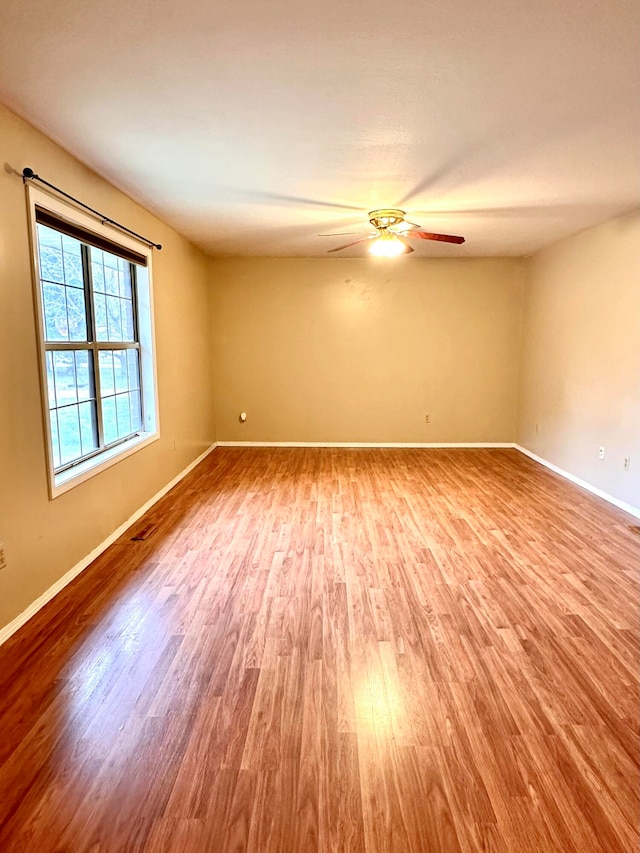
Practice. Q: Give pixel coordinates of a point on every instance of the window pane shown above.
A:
(125, 279)
(133, 368)
(105, 360)
(72, 260)
(74, 430)
(84, 375)
(111, 261)
(55, 312)
(49, 237)
(55, 441)
(69, 429)
(102, 332)
(112, 297)
(120, 370)
(124, 416)
(126, 310)
(77, 318)
(51, 267)
(64, 306)
(113, 318)
(65, 378)
(88, 427)
(136, 411)
(51, 386)
(97, 271)
(109, 420)
(111, 284)
(120, 407)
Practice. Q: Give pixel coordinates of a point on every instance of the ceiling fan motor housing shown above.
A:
(385, 217)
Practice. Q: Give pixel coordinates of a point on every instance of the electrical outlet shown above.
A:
(427, 419)
(601, 453)
(3, 558)
(627, 462)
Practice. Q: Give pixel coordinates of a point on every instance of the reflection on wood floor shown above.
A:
(336, 650)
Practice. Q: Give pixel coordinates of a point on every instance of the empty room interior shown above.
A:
(319, 427)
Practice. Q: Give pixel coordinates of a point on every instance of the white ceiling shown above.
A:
(254, 125)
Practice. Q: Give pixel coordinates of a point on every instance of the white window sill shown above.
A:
(85, 470)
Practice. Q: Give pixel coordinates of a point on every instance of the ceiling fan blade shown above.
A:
(343, 233)
(442, 238)
(408, 249)
(347, 245)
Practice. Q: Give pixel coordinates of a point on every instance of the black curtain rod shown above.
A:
(30, 175)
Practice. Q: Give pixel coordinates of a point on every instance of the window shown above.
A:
(94, 307)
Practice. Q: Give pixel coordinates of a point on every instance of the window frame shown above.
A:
(82, 470)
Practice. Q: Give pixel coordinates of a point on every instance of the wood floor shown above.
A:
(337, 650)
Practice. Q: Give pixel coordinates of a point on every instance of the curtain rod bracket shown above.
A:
(29, 175)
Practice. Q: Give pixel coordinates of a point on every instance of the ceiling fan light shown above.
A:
(387, 246)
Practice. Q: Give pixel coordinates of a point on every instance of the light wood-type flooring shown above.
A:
(337, 650)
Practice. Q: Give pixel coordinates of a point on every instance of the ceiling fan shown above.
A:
(392, 230)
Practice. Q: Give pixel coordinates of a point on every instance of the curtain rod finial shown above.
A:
(28, 173)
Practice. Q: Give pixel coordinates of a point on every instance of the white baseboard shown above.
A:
(632, 510)
(60, 584)
(347, 444)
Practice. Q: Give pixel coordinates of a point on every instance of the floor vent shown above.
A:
(145, 533)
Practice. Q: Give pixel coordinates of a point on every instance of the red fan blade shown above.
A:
(346, 246)
(425, 235)
(408, 248)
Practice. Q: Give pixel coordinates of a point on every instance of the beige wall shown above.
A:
(580, 378)
(43, 539)
(360, 350)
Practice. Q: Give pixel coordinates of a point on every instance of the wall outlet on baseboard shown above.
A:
(427, 419)
(3, 558)
(627, 462)
(601, 453)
